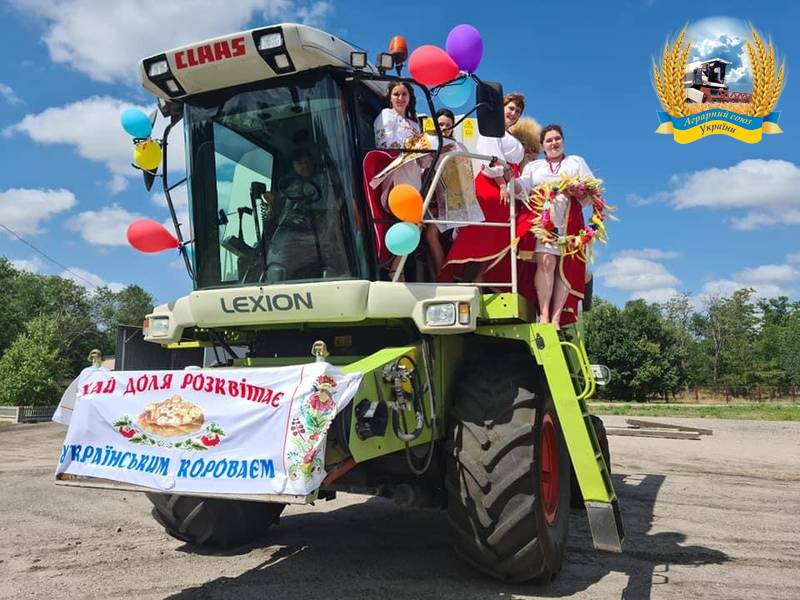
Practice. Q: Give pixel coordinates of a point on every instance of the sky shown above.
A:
(705, 218)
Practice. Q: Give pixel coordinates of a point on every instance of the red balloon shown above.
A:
(432, 66)
(147, 235)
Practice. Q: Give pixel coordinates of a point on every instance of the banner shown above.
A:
(239, 431)
(718, 121)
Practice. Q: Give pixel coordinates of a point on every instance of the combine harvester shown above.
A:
(461, 401)
(704, 82)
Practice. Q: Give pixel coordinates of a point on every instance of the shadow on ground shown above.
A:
(376, 550)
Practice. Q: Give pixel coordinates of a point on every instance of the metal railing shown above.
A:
(443, 162)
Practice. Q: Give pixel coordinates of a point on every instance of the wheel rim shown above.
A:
(549, 472)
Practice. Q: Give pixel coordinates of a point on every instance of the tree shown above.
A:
(730, 329)
(33, 368)
(639, 347)
(129, 306)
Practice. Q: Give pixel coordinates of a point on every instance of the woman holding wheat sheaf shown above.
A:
(555, 287)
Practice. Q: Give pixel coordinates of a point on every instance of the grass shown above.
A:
(755, 412)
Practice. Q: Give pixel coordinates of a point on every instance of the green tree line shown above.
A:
(49, 324)
(730, 343)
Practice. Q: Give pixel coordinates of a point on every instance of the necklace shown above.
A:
(558, 165)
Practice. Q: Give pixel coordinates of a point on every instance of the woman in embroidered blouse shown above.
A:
(393, 126)
(552, 291)
(487, 246)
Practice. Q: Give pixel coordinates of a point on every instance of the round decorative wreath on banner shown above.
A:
(579, 189)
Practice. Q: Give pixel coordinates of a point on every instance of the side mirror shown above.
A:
(491, 120)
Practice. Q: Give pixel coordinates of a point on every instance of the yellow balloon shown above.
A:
(147, 155)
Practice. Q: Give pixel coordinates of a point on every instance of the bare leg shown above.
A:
(544, 280)
(435, 250)
(560, 294)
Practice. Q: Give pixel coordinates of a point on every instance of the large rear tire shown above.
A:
(508, 472)
(214, 521)
(576, 497)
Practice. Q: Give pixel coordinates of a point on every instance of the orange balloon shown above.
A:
(405, 202)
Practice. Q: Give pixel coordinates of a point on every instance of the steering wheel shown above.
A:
(297, 188)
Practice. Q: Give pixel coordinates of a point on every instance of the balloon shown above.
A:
(402, 238)
(465, 46)
(405, 203)
(147, 155)
(457, 93)
(136, 123)
(432, 66)
(147, 235)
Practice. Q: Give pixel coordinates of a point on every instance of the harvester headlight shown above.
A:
(156, 327)
(269, 41)
(157, 68)
(441, 314)
(385, 61)
(358, 60)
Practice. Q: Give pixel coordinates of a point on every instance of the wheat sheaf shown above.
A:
(767, 79)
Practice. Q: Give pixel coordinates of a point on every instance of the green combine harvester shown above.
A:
(466, 404)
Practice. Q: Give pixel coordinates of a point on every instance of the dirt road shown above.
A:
(716, 518)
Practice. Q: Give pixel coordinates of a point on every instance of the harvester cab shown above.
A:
(704, 81)
(464, 402)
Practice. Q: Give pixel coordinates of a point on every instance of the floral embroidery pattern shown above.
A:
(309, 429)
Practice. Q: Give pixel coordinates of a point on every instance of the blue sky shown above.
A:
(709, 217)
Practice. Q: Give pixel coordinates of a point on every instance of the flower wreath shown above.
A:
(540, 202)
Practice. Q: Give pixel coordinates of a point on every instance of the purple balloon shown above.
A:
(465, 47)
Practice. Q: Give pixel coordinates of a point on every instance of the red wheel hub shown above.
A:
(549, 471)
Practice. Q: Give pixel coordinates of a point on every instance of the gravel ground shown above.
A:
(715, 518)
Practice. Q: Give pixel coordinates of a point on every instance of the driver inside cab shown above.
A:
(298, 223)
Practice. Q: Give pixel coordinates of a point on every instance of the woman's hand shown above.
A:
(505, 196)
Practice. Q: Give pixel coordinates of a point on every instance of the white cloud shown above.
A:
(89, 280)
(33, 265)
(93, 127)
(657, 295)
(793, 258)
(767, 281)
(644, 278)
(106, 43)
(768, 274)
(770, 189)
(650, 253)
(104, 227)
(24, 210)
(9, 95)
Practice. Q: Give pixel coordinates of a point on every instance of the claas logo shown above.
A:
(208, 53)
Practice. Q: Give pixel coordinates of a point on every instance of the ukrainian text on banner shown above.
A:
(244, 431)
(718, 121)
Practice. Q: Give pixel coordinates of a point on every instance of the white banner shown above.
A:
(242, 431)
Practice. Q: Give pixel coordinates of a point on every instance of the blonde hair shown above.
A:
(527, 131)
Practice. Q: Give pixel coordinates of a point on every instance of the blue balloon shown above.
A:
(402, 238)
(457, 93)
(136, 123)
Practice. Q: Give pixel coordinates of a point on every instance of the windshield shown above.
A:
(271, 185)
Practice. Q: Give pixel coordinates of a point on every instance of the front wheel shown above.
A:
(508, 473)
(213, 521)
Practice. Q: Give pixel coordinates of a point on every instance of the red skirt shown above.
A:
(477, 244)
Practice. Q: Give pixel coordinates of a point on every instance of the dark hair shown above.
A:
(517, 98)
(411, 109)
(446, 112)
(551, 127)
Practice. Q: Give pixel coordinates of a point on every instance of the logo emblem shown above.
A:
(716, 78)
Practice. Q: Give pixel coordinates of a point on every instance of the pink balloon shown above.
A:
(147, 235)
(432, 66)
